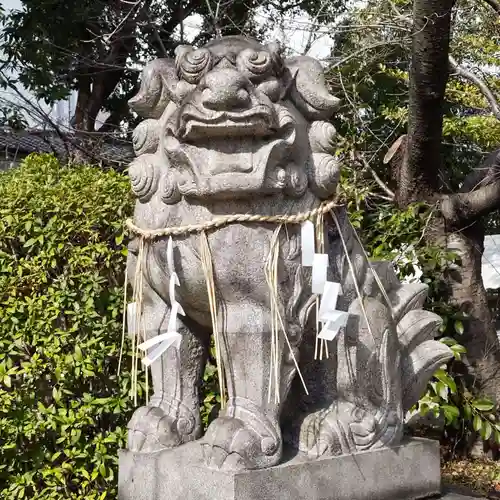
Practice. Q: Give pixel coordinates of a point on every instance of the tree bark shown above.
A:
(109, 72)
(467, 288)
(428, 78)
(467, 292)
(82, 103)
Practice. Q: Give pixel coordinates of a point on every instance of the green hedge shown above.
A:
(63, 410)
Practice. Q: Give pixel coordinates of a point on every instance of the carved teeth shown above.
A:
(259, 120)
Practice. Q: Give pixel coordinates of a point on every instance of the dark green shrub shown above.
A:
(63, 410)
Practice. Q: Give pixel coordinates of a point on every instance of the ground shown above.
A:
(480, 475)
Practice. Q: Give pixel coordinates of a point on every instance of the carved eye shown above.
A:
(254, 63)
(193, 64)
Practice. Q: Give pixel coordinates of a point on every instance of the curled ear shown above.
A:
(308, 90)
(158, 85)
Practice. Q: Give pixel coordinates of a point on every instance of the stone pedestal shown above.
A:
(406, 472)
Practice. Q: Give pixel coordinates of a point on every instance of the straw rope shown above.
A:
(271, 278)
(217, 222)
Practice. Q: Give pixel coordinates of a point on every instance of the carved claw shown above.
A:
(363, 431)
(327, 439)
(231, 444)
(152, 429)
(338, 430)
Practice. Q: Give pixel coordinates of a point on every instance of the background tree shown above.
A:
(459, 215)
(441, 128)
(98, 47)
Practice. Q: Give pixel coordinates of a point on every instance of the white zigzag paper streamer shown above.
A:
(172, 336)
(332, 319)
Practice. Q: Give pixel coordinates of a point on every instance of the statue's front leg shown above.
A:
(247, 433)
(172, 416)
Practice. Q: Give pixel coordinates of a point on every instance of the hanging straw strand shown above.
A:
(271, 274)
(375, 274)
(275, 307)
(124, 320)
(353, 273)
(320, 236)
(206, 261)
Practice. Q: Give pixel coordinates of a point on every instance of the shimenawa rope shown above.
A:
(217, 222)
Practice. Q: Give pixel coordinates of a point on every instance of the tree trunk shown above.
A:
(457, 224)
(82, 103)
(468, 293)
(419, 175)
(467, 289)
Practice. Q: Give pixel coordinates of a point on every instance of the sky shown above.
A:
(10, 4)
(491, 262)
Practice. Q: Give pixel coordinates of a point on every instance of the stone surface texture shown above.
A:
(235, 128)
(405, 472)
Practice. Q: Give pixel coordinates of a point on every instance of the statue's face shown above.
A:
(238, 118)
(228, 88)
(227, 135)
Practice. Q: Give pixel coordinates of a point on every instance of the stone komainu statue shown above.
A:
(233, 128)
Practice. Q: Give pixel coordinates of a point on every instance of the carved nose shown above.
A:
(224, 90)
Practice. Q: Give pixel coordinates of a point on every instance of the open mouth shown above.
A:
(228, 155)
(259, 121)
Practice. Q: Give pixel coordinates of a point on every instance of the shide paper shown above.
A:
(172, 336)
(332, 319)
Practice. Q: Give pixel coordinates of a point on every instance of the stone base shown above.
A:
(407, 472)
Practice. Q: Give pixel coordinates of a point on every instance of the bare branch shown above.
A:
(479, 82)
(160, 43)
(123, 21)
(312, 31)
(486, 173)
(478, 196)
(338, 62)
(378, 180)
(394, 149)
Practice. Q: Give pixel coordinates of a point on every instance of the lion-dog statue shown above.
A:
(236, 128)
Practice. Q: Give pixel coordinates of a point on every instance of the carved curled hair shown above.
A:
(308, 89)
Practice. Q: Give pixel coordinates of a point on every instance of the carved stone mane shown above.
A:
(234, 128)
(232, 120)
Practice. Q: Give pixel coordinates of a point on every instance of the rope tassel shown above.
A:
(138, 284)
(207, 265)
(172, 337)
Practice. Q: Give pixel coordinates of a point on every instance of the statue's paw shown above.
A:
(230, 444)
(338, 430)
(363, 431)
(320, 435)
(151, 429)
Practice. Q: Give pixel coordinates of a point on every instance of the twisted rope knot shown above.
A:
(225, 220)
